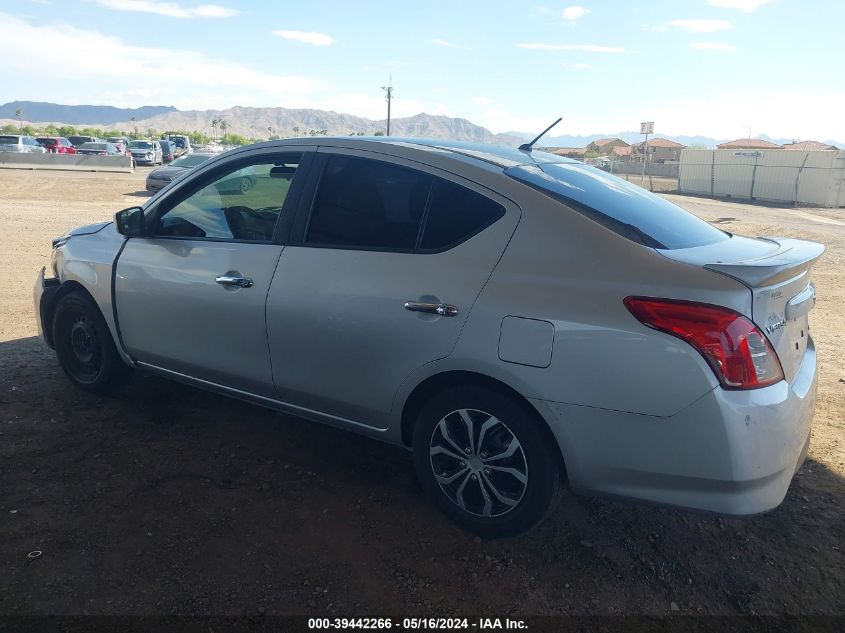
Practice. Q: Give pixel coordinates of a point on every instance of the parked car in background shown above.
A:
(122, 142)
(76, 141)
(182, 142)
(146, 152)
(100, 149)
(167, 149)
(163, 176)
(510, 316)
(20, 143)
(56, 144)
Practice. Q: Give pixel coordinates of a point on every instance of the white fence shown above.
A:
(815, 178)
(74, 162)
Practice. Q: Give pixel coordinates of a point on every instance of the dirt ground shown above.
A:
(168, 500)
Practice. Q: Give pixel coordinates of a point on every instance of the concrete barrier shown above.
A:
(72, 162)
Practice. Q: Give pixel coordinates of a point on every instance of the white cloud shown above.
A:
(657, 28)
(306, 37)
(702, 26)
(578, 65)
(573, 13)
(713, 46)
(181, 77)
(447, 44)
(587, 48)
(482, 101)
(743, 5)
(169, 9)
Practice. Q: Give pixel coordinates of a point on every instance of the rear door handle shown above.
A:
(442, 309)
(240, 282)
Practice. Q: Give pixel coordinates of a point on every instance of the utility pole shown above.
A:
(388, 91)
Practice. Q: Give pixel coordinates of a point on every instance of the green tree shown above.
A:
(234, 139)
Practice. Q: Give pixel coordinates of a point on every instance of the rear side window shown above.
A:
(368, 204)
(624, 208)
(456, 214)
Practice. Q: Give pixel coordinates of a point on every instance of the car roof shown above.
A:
(498, 155)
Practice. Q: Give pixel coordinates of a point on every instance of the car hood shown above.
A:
(89, 229)
(167, 173)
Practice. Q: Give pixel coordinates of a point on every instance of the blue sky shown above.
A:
(710, 67)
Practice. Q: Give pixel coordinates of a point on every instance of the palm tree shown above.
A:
(296, 131)
(19, 114)
(223, 127)
(214, 123)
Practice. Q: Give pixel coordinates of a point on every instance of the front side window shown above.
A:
(242, 204)
(368, 204)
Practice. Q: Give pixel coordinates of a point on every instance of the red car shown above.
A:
(56, 144)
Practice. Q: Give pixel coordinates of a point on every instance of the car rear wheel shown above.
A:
(484, 459)
(84, 345)
(245, 185)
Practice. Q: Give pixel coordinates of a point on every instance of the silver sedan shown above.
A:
(516, 319)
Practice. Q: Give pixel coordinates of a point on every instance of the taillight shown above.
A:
(739, 353)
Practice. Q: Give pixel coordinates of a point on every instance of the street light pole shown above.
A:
(388, 90)
(646, 128)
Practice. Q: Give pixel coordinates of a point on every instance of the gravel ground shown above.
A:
(167, 500)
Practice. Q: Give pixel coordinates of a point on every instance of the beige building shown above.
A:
(749, 143)
(660, 150)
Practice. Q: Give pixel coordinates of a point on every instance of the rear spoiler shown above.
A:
(790, 259)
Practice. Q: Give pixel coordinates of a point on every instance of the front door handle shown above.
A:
(442, 309)
(240, 282)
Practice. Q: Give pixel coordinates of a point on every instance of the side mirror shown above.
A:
(130, 222)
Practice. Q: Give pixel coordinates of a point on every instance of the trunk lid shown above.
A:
(777, 272)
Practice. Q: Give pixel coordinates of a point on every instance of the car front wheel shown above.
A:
(484, 459)
(84, 345)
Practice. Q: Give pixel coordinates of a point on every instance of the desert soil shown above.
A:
(168, 500)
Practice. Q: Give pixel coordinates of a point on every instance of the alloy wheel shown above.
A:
(478, 463)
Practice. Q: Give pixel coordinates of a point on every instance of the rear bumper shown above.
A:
(44, 295)
(730, 452)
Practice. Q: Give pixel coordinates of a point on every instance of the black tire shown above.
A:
(528, 503)
(84, 345)
(245, 185)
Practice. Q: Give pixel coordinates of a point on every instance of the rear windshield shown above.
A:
(189, 161)
(140, 145)
(9, 140)
(625, 208)
(99, 146)
(47, 141)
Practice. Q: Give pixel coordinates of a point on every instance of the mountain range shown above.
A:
(262, 122)
(42, 112)
(251, 122)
